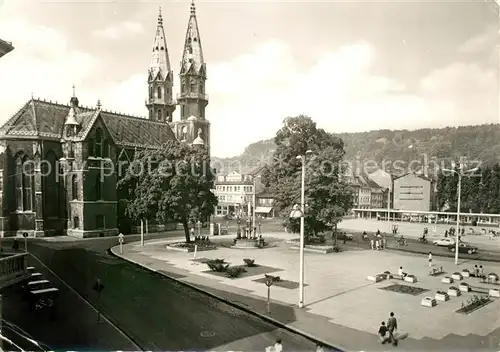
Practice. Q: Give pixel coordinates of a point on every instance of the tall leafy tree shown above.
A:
(327, 196)
(174, 182)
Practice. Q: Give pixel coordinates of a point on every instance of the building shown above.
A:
(384, 180)
(234, 192)
(60, 163)
(5, 47)
(413, 191)
(264, 205)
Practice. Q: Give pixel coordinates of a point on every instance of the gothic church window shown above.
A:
(159, 92)
(160, 115)
(76, 222)
(202, 89)
(28, 170)
(74, 187)
(105, 148)
(18, 180)
(98, 187)
(98, 143)
(51, 186)
(193, 87)
(150, 92)
(184, 133)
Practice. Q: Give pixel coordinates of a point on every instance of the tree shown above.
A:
(174, 182)
(327, 196)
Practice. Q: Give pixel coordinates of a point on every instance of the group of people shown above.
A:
(386, 331)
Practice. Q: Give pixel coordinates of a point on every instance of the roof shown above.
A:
(192, 57)
(416, 174)
(42, 119)
(160, 62)
(5, 47)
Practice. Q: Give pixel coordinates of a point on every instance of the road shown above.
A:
(156, 312)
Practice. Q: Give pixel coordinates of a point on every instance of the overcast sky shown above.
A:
(351, 66)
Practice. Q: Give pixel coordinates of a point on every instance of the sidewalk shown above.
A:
(343, 307)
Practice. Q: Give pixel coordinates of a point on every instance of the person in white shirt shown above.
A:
(278, 347)
(430, 260)
(401, 273)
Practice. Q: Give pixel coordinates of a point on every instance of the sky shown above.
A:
(350, 65)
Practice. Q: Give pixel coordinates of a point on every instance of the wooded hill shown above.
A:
(479, 143)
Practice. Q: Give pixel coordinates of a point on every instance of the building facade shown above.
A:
(235, 193)
(264, 205)
(413, 191)
(5, 47)
(60, 163)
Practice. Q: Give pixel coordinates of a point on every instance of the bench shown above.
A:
(377, 278)
(30, 269)
(43, 298)
(36, 275)
(45, 290)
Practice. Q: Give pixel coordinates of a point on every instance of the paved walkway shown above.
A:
(342, 307)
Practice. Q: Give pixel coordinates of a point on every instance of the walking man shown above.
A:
(430, 260)
(392, 325)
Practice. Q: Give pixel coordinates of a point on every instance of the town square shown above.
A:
(249, 176)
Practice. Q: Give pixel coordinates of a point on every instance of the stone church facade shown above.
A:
(60, 164)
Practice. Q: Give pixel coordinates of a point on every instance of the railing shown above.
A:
(13, 268)
(194, 95)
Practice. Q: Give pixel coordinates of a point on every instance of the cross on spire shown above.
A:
(160, 17)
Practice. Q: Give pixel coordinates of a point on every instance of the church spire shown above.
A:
(160, 61)
(192, 57)
(160, 103)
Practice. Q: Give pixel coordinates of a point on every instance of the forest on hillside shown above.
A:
(480, 145)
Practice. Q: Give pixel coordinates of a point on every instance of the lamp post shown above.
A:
(253, 210)
(299, 212)
(389, 208)
(459, 172)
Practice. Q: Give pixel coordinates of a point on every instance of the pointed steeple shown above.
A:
(160, 102)
(160, 61)
(192, 57)
(71, 117)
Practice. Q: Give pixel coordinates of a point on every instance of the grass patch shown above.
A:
(406, 289)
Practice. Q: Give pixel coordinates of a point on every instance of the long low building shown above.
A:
(428, 216)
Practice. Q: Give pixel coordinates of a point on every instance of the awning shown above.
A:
(263, 210)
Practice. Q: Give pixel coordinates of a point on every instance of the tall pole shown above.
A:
(303, 209)
(142, 232)
(458, 214)
(389, 208)
(253, 210)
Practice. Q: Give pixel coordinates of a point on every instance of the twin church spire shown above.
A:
(192, 98)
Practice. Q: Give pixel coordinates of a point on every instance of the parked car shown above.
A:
(347, 236)
(444, 241)
(463, 248)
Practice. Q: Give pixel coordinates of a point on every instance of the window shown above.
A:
(184, 110)
(98, 143)
(105, 148)
(18, 180)
(201, 88)
(27, 183)
(193, 87)
(74, 187)
(100, 222)
(158, 92)
(168, 91)
(150, 92)
(159, 115)
(98, 187)
(51, 189)
(76, 222)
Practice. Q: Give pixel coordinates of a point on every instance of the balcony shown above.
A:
(192, 95)
(13, 268)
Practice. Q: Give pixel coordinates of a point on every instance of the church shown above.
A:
(54, 155)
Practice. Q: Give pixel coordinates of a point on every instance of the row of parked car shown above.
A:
(450, 243)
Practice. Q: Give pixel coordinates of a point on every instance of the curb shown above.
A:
(264, 317)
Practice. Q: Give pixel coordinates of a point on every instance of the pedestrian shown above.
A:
(476, 271)
(392, 325)
(377, 244)
(278, 346)
(319, 348)
(372, 244)
(481, 271)
(430, 260)
(382, 333)
(192, 232)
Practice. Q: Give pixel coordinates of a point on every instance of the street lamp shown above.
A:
(298, 212)
(459, 172)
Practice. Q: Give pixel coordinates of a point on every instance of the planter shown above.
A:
(388, 275)
(493, 277)
(376, 278)
(442, 297)
(428, 302)
(494, 292)
(447, 280)
(454, 292)
(410, 278)
(474, 305)
(457, 276)
(466, 273)
(464, 287)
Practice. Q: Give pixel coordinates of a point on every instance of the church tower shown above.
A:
(193, 126)
(160, 102)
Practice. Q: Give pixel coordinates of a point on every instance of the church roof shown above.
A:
(160, 61)
(192, 57)
(40, 119)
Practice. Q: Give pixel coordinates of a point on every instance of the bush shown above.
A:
(217, 266)
(465, 271)
(494, 275)
(219, 261)
(235, 271)
(249, 262)
(454, 288)
(336, 248)
(441, 293)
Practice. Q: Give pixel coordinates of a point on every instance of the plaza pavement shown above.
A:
(342, 307)
(415, 230)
